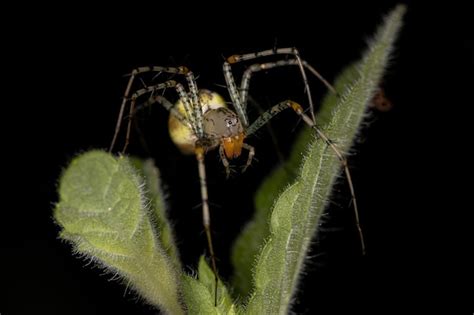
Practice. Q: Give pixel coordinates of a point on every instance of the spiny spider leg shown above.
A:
(271, 132)
(206, 218)
(133, 99)
(197, 106)
(133, 75)
(188, 107)
(235, 95)
(245, 83)
(250, 157)
(201, 146)
(224, 161)
(278, 108)
(160, 99)
(270, 52)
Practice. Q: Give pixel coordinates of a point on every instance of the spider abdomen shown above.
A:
(182, 135)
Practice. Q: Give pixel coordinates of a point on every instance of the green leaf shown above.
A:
(199, 294)
(252, 238)
(103, 213)
(158, 216)
(296, 213)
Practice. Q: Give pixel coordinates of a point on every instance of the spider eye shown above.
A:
(231, 122)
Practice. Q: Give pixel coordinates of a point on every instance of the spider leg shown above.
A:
(234, 94)
(278, 108)
(278, 51)
(250, 156)
(153, 99)
(224, 160)
(133, 75)
(197, 107)
(270, 130)
(206, 218)
(266, 116)
(152, 90)
(149, 89)
(244, 86)
(167, 105)
(188, 107)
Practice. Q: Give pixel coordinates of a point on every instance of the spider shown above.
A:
(201, 121)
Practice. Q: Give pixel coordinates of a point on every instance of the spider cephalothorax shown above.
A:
(223, 126)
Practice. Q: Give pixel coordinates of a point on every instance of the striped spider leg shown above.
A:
(136, 72)
(239, 98)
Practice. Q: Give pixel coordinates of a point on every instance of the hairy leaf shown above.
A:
(103, 213)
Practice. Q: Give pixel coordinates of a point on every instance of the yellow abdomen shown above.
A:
(183, 136)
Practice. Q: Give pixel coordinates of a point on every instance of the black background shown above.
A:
(64, 80)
